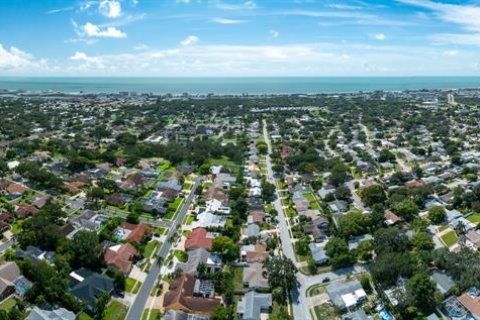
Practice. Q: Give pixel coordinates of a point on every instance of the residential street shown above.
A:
(300, 310)
(136, 310)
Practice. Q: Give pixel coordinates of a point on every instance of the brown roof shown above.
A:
(169, 194)
(258, 255)
(471, 303)
(116, 199)
(415, 184)
(180, 297)
(391, 218)
(6, 217)
(122, 257)
(25, 210)
(216, 193)
(81, 178)
(137, 231)
(120, 161)
(143, 164)
(73, 187)
(257, 216)
(198, 239)
(135, 179)
(473, 236)
(15, 188)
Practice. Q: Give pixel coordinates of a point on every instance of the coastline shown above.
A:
(233, 85)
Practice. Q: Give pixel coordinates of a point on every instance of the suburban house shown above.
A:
(198, 256)
(87, 286)
(12, 281)
(346, 295)
(55, 314)
(199, 238)
(253, 305)
(133, 232)
(443, 282)
(318, 228)
(181, 297)
(253, 276)
(121, 257)
(254, 253)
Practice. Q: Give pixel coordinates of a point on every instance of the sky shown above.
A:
(198, 38)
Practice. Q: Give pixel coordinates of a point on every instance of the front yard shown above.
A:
(116, 311)
(450, 238)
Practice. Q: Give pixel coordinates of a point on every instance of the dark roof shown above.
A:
(92, 286)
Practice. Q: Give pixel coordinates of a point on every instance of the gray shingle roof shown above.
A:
(253, 304)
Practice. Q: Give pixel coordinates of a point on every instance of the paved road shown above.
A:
(300, 310)
(136, 310)
(7, 245)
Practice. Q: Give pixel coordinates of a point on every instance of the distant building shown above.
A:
(450, 98)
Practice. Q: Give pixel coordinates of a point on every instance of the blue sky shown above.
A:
(239, 38)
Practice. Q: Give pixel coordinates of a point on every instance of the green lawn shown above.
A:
(132, 286)
(83, 316)
(189, 220)
(182, 256)
(172, 208)
(161, 230)
(324, 312)
(150, 248)
(290, 212)
(443, 228)
(315, 290)
(165, 165)
(116, 311)
(155, 314)
(226, 162)
(238, 278)
(17, 226)
(8, 304)
(474, 218)
(309, 196)
(450, 238)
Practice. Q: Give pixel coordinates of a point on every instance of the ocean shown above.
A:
(234, 85)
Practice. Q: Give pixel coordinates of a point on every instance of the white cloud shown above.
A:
(110, 8)
(467, 16)
(14, 58)
(14, 61)
(274, 33)
(227, 21)
(190, 40)
(379, 36)
(91, 30)
(88, 62)
(182, 1)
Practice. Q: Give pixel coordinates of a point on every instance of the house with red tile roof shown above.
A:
(181, 297)
(135, 232)
(198, 239)
(121, 257)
